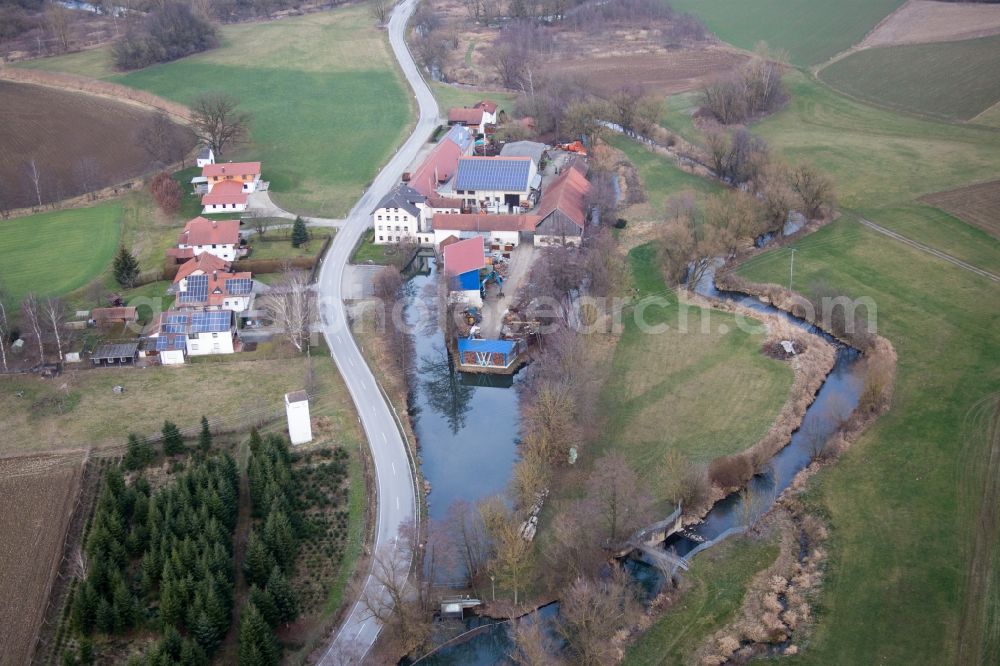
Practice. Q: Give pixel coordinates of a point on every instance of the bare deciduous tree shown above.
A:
(511, 562)
(532, 645)
(592, 612)
(394, 602)
(59, 21)
(218, 122)
(54, 315)
(737, 216)
(813, 188)
(4, 331)
(616, 500)
(380, 10)
(291, 306)
(34, 176)
(31, 311)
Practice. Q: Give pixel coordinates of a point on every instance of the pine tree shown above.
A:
(300, 234)
(259, 561)
(173, 441)
(264, 601)
(105, 618)
(126, 268)
(86, 651)
(257, 644)
(84, 608)
(205, 437)
(138, 453)
(192, 654)
(205, 632)
(280, 538)
(285, 600)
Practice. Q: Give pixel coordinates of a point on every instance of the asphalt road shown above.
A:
(395, 485)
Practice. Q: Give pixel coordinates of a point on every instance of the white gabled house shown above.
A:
(182, 333)
(205, 157)
(217, 237)
(207, 282)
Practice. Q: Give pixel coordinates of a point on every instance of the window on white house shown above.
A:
(380, 238)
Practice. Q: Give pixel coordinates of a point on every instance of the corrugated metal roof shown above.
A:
(496, 174)
(115, 350)
(532, 149)
(486, 346)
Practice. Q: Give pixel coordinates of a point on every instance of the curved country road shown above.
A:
(397, 501)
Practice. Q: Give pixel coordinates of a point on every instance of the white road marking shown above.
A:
(393, 468)
(384, 438)
(397, 502)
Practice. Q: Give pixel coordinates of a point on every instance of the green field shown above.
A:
(449, 96)
(812, 31)
(719, 579)
(896, 584)
(950, 80)
(702, 394)
(877, 157)
(660, 176)
(329, 106)
(58, 252)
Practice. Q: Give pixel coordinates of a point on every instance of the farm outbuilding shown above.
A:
(113, 316)
(297, 411)
(115, 353)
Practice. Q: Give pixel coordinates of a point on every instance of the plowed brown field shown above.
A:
(978, 205)
(38, 496)
(79, 142)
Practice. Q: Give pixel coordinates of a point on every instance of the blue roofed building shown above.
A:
(489, 354)
(496, 184)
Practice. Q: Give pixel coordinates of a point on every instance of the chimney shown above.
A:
(215, 223)
(215, 275)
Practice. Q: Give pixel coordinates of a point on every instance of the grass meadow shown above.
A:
(448, 96)
(660, 176)
(719, 579)
(877, 157)
(812, 31)
(949, 80)
(704, 394)
(57, 252)
(329, 106)
(896, 584)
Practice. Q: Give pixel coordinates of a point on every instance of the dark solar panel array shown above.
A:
(493, 174)
(170, 342)
(175, 323)
(211, 322)
(197, 290)
(239, 286)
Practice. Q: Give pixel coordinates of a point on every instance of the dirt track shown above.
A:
(921, 21)
(39, 494)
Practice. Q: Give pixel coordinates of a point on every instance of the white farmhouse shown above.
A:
(496, 184)
(218, 237)
(183, 333)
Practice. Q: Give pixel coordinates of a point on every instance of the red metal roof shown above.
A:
(231, 169)
(226, 192)
(439, 167)
(464, 256)
(105, 314)
(567, 194)
(202, 231)
(483, 222)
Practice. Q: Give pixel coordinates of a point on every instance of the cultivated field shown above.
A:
(79, 143)
(328, 104)
(80, 409)
(58, 252)
(704, 394)
(951, 80)
(810, 30)
(875, 156)
(666, 73)
(897, 574)
(38, 495)
(921, 21)
(979, 205)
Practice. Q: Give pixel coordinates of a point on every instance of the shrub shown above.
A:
(166, 192)
(730, 471)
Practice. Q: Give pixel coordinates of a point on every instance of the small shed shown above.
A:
(115, 353)
(114, 316)
(297, 411)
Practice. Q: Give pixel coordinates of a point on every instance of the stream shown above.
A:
(467, 427)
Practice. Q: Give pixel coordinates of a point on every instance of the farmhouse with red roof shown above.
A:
(218, 237)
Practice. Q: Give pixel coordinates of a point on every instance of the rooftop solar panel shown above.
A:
(197, 290)
(239, 286)
(214, 321)
(492, 174)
